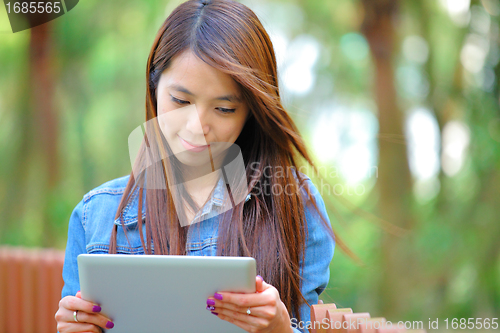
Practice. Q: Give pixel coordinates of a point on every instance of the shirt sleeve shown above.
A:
(315, 268)
(74, 247)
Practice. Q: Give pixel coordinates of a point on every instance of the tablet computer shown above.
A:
(161, 294)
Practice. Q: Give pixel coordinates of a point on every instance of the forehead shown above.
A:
(192, 73)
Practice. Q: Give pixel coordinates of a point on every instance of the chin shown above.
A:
(192, 159)
(192, 162)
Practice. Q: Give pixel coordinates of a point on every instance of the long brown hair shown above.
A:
(270, 227)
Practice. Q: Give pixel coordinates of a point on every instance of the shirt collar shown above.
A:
(218, 194)
(216, 199)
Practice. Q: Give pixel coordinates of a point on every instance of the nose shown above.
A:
(199, 122)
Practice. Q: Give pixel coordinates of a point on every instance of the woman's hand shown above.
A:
(267, 311)
(88, 316)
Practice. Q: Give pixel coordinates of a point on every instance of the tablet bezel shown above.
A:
(136, 291)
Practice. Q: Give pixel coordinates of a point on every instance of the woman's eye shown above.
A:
(224, 110)
(178, 101)
(182, 102)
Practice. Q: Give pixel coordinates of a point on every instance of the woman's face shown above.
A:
(199, 107)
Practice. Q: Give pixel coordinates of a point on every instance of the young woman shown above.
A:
(212, 86)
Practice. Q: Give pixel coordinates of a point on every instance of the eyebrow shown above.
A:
(229, 98)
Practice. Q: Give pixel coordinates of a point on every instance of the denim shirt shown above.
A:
(92, 220)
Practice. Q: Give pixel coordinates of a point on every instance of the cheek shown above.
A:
(161, 107)
(164, 104)
(169, 118)
(229, 131)
(168, 125)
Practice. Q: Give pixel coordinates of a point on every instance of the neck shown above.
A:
(202, 183)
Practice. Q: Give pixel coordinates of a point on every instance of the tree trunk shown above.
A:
(394, 183)
(45, 121)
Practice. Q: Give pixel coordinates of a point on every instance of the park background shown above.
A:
(397, 100)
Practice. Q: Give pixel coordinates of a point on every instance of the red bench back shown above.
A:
(30, 289)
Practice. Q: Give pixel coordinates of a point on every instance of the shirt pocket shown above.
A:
(120, 249)
(207, 247)
(128, 240)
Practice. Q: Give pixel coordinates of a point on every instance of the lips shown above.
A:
(191, 147)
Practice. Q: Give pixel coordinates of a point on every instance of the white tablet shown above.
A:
(161, 294)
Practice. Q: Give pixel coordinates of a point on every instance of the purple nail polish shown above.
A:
(110, 324)
(96, 308)
(215, 313)
(210, 302)
(260, 277)
(218, 296)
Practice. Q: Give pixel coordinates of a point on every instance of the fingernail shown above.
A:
(211, 308)
(260, 277)
(110, 324)
(215, 313)
(96, 308)
(210, 302)
(218, 296)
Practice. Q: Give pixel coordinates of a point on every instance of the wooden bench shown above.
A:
(326, 318)
(30, 289)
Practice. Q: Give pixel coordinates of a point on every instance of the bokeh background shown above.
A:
(397, 100)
